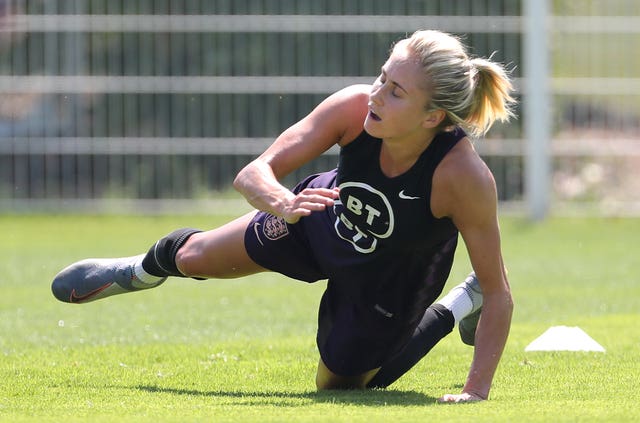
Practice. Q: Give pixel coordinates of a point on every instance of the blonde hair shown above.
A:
(474, 93)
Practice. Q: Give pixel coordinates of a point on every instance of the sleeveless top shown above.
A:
(380, 246)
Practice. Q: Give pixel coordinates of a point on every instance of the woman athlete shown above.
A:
(382, 228)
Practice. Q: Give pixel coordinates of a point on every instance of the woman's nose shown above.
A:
(375, 96)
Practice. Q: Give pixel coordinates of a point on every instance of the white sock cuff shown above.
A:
(458, 302)
(142, 274)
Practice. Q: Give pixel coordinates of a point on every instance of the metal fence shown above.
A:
(153, 101)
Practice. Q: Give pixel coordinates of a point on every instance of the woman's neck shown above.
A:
(398, 156)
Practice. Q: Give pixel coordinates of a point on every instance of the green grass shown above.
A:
(244, 350)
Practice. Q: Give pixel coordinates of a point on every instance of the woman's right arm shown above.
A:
(337, 120)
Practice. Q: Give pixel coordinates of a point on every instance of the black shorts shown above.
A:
(276, 245)
(354, 336)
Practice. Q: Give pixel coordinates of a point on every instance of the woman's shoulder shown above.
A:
(463, 163)
(462, 176)
(351, 104)
(356, 92)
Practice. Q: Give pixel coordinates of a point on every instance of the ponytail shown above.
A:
(492, 100)
(473, 93)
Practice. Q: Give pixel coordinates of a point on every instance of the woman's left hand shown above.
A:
(463, 397)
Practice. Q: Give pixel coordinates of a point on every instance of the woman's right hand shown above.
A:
(309, 200)
(338, 120)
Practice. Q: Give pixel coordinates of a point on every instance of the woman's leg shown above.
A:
(464, 300)
(436, 323)
(217, 253)
(326, 379)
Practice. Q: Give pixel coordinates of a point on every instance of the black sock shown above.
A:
(436, 323)
(161, 258)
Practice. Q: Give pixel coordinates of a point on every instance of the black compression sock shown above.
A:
(436, 323)
(161, 258)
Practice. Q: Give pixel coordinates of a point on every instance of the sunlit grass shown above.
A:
(244, 350)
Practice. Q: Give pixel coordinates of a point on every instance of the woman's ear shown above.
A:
(433, 119)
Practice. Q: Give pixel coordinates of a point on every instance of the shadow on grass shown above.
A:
(356, 397)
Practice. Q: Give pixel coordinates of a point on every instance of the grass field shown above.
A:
(244, 350)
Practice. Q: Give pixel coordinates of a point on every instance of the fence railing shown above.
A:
(140, 106)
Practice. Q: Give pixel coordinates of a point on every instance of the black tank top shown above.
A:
(380, 246)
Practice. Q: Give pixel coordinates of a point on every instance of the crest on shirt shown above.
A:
(275, 227)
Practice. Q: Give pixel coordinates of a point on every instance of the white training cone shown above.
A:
(563, 338)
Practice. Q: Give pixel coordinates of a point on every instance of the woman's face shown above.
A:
(398, 98)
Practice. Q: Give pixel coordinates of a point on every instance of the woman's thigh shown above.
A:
(218, 253)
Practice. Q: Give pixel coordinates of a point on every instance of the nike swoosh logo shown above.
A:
(404, 196)
(74, 298)
(255, 229)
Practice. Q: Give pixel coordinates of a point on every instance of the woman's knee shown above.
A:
(326, 379)
(188, 257)
(215, 254)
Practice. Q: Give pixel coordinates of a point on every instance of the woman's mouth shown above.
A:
(374, 116)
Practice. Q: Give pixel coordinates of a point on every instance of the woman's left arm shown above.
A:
(483, 243)
(472, 205)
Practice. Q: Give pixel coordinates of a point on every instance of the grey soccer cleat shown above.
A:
(467, 326)
(93, 279)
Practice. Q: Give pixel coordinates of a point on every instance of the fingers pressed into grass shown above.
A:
(458, 398)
